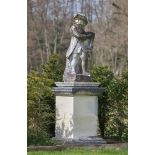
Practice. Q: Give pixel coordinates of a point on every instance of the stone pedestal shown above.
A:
(76, 109)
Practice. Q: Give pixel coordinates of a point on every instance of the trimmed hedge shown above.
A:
(41, 101)
(113, 104)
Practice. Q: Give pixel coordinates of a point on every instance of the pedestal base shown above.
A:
(77, 110)
(82, 141)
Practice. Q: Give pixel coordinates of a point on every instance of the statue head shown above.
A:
(80, 19)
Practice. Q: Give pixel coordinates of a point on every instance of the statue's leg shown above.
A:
(74, 62)
(83, 63)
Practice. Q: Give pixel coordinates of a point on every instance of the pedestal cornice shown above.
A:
(78, 88)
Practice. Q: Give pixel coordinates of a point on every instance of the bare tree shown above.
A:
(48, 30)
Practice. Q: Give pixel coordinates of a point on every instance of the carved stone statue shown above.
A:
(77, 54)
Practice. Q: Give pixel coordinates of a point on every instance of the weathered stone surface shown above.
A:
(76, 116)
(86, 141)
(76, 84)
(77, 109)
(77, 54)
(78, 88)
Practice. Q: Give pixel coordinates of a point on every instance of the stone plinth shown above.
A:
(76, 109)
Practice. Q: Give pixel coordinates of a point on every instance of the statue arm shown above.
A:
(77, 34)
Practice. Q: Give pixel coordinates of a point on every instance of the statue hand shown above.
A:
(89, 35)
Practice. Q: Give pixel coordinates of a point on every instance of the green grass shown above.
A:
(82, 151)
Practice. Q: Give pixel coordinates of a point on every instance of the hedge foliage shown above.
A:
(113, 104)
(113, 107)
(41, 102)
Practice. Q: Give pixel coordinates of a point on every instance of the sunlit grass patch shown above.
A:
(83, 151)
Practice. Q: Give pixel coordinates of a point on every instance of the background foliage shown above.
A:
(41, 102)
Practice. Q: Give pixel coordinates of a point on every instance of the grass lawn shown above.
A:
(83, 151)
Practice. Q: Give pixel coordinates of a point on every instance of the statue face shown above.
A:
(80, 23)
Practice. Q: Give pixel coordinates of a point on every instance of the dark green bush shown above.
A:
(113, 104)
(38, 136)
(41, 102)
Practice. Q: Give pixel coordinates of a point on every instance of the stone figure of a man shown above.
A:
(81, 43)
